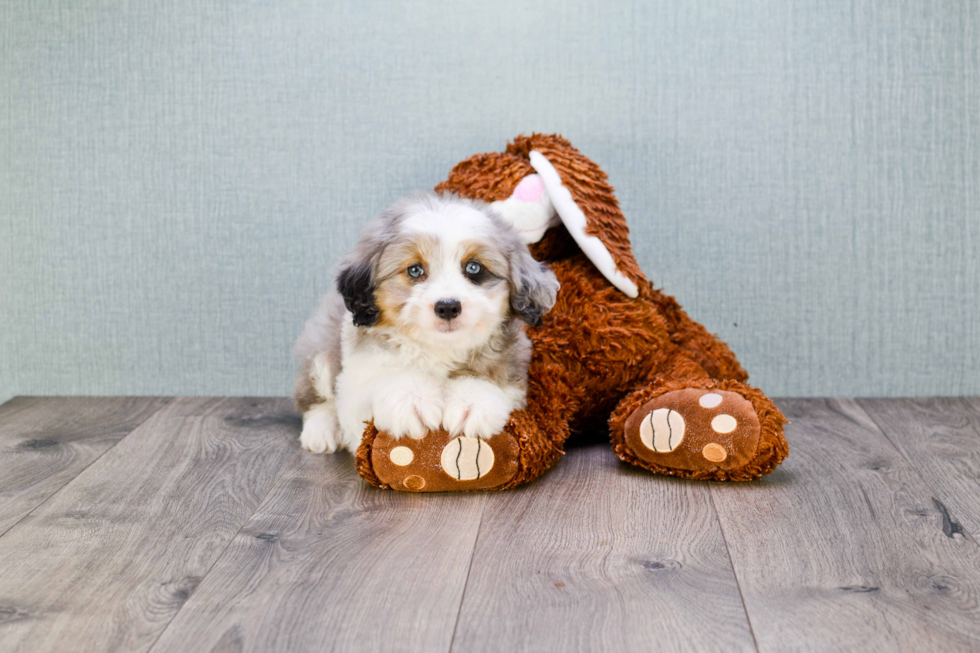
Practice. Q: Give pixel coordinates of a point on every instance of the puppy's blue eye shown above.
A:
(415, 271)
(473, 267)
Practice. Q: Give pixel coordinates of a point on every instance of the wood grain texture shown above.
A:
(599, 556)
(205, 529)
(843, 547)
(46, 441)
(941, 439)
(110, 559)
(331, 563)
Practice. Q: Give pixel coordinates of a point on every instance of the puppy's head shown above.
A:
(443, 271)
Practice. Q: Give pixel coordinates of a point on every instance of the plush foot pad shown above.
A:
(440, 462)
(695, 429)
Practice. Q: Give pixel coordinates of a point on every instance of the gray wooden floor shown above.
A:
(181, 525)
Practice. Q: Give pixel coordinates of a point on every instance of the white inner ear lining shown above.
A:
(574, 220)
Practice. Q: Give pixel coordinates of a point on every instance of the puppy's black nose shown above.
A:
(447, 309)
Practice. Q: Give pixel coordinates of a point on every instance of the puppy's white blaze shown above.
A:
(446, 281)
(575, 221)
(450, 228)
(529, 209)
(452, 224)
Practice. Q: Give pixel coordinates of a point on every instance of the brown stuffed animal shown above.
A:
(612, 349)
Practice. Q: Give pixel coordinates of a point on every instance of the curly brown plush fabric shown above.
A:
(600, 355)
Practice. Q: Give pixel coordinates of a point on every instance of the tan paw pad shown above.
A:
(714, 452)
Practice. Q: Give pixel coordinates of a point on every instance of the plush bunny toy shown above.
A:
(612, 350)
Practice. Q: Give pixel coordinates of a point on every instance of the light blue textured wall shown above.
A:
(177, 179)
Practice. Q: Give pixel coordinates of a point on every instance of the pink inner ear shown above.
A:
(530, 189)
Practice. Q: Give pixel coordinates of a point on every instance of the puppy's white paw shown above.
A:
(475, 408)
(321, 433)
(408, 405)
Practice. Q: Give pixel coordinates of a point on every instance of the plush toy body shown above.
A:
(612, 350)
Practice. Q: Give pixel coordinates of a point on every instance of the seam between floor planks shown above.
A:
(323, 555)
(80, 470)
(225, 557)
(224, 551)
(600, 555)
(917, 465)
(936, 492)
(469, 570)
(738, 582)
(788, 596)
(220, 447)
(165, 401)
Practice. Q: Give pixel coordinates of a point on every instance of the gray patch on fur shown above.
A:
(321, 334)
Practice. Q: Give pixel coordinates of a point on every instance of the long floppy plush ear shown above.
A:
(585, 201)
(575, 221)
(533, 287)
(355, 282)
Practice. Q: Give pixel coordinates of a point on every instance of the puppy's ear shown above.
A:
(357, 278)
(533, 287)
(355, 281)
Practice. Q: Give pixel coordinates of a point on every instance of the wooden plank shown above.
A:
(331, 563)
(46, 441)
(941, 439)
(108, 561)
(842, 548)
(600, 556)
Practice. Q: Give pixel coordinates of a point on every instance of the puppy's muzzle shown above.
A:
(447, 309)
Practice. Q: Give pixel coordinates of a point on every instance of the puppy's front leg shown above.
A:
(408, 403)
(478, 408)
(321, 434)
